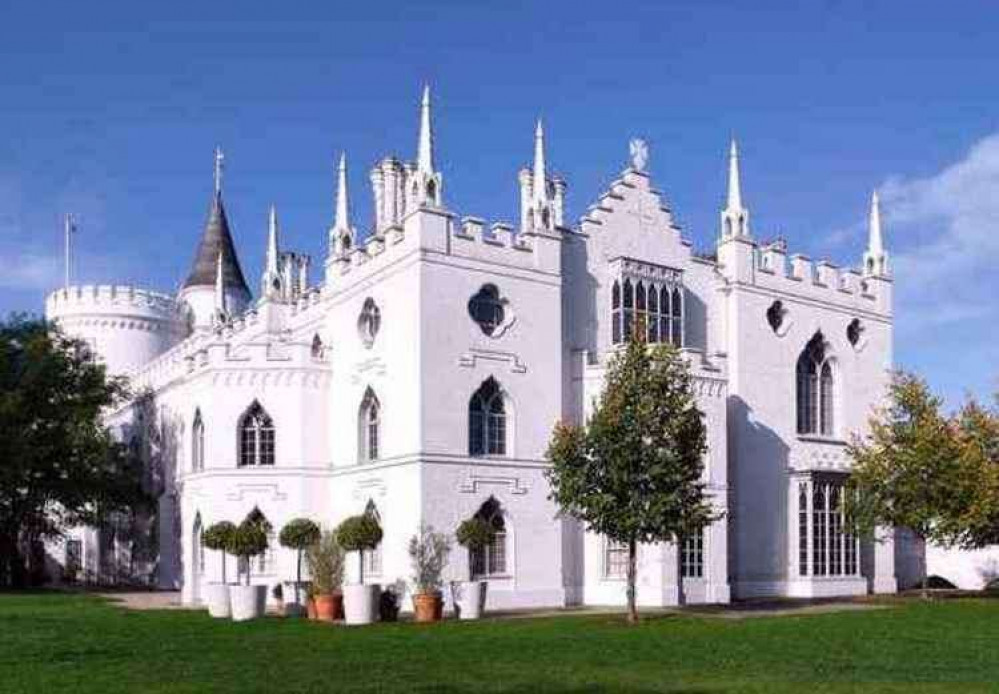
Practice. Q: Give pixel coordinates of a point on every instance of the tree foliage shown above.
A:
(634, 472)
(299, 533)
(59, 465)
(326, 563)
(907, 471)
(475, 533)
(428, 552)
(247, 541)
(977, 431)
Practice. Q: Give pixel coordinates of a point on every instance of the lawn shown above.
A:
(79, 644)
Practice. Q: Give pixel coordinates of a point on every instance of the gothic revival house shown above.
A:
(420, 377)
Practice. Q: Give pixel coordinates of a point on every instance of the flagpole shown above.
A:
(68, 229)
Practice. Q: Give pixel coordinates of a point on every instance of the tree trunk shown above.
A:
(13, 572)
(224, 581)
(632, 556)
(298, 577)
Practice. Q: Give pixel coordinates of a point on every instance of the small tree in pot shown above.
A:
(219, 538)
(356, 534)
(298, 534)
(474, 534)
(428, 550)
(325, 559)
(248, 541)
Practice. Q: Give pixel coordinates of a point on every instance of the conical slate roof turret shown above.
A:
(216, 242)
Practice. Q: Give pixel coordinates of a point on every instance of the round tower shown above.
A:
(125, 326)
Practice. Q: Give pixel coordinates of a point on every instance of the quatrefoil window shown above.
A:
(490, 311)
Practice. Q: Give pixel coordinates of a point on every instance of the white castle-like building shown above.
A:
(421, 377)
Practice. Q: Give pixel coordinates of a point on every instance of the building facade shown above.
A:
(420, 377)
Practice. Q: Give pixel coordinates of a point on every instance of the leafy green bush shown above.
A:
(358, 533)
(219, 537)
(428, 550)
(325, 560)
(299, 534)
(475, 533)
(249, 540)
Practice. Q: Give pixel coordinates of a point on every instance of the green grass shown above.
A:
(71, 643)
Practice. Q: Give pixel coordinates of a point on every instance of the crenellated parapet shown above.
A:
(125, 326)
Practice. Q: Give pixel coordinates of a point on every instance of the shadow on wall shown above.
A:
(758, 472)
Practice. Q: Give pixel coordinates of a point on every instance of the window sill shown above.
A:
(493, 577)
(818, 438)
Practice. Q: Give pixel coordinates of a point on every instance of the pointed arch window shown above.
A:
(369, 425)
(815, 389)
(256, 437)
(198, 443)
(616, 335)
(653, 319)
(629, 309)
(318, 349)
(491, 560)
(372, 558)
(199, 548)
(487, 420)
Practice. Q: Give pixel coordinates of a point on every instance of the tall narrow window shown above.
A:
(664, 314)
(676, 336)
(641, 318)
(629, 309)
(197, 443)
(370, 427)
(372, 558)
(835, 532)
(819, 518)
(256, 437)
(491, 559)
(653, 333)
(802, 528)
(692, 557)
(199, 547)
(815, 389)
(616, 313)
(487, 420)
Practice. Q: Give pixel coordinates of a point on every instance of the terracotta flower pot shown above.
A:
(329, 608)
(428, 607)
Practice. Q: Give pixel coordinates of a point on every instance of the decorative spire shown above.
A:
(342, 219)
(540, 175)
(875, 244)
(221, 309)
(425, 150)
(271, 261)
(734, 184)
(219, 162)
(875, 259)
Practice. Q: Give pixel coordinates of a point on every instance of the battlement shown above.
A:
(118, 300)
(434, 229)
(770, 267)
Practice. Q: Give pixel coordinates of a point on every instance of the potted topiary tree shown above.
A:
(473, 534)
(248, 602)
(298, 534)
(428, 550)
(218, 537)
(325, 559)
(356, 534)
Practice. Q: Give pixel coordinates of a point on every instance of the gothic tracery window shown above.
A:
(370, 427)
(653, 309)
(369, 322)
(256, 437)
(815, 389)
(197, 443)
(491, 560)
(487, 420)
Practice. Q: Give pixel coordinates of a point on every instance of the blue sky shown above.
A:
(112, 110)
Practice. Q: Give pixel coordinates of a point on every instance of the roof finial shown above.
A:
(342, 218)
(219, 161)
(425, 150)
(540, 174)
(875, 244)
(734, 184)
(272, 243)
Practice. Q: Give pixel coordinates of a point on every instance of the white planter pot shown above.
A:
(248, 602)
(472, 602)
(360, 603)
(217, 597)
